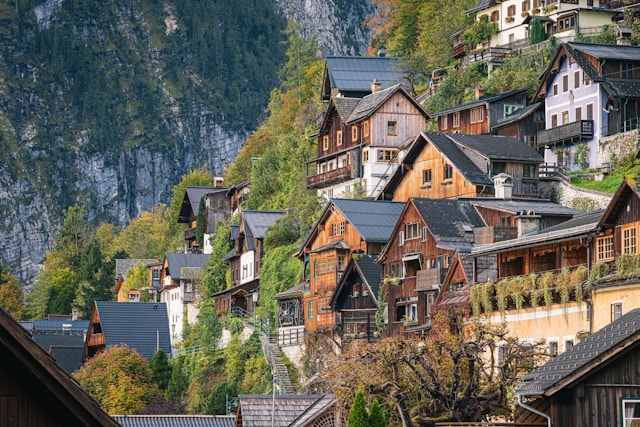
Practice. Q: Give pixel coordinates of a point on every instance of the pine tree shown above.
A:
(161, 369)
(376, 418)
(358, 413)
(200, 224)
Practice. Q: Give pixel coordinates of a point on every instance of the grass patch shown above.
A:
(611, 182)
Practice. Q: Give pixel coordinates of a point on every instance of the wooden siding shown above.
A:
(409, 122)
(412, 183)
(335, 124)
(541, 258)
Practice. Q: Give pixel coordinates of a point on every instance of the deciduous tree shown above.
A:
(11, 295)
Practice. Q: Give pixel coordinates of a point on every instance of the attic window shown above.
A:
(392, 128)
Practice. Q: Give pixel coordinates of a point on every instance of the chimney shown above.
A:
(623, 34)
(382, 52)
(503, 185)
(479, 93)
(375, 86)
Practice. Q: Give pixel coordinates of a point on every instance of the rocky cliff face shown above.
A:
(108, 107)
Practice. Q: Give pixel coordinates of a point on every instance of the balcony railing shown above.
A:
(330, 177)
(571, 132)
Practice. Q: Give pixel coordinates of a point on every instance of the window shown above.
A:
(310, 309)
(616, 310)
(552, 348)
(325, 142)
(456, 119)
(539, 116)
(529, 171)
(576, 80)
(429, 305)
(626, 70)
(589, 111)
(525, 5)
(497, 168)
(565, 117)
(401, 238)
(412, 313)
(565, 83)
(586, 79)
(392, 128)
(339, 138)
(365, 129)
(578, 114)
(589, 2)
(477, 115)
(554, 120)
(365, 156)
(386, 155)
(629, 240)
(511, 10)
(503, 353)
(448, 171)
(426, 177)
(630, 411)
(354, 133)
(568, 345)
(510, 109)
(341, 262)
(337, 229)
(444, 122)
(412, 231)
(394, 270)
(495, 16)
(555, 89)
(156, 274)
(604, 248)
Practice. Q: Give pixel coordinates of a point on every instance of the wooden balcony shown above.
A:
(458, 50)
(331, 177)
(190, 233)
(429, 278)
(491, 54)
(490, 234)
(569, 133)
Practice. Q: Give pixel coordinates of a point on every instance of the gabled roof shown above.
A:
(258, 222)
(452, 152)
(178, 262)
(449, 220)
(123, 265)
(482, 101)
(580, 52)
(344, 106)
(24, 361)
(365, 267)
(138, 325)
(580, 225)
(287, 410)
(176, 420)
(542, 207)
(598, 349)
(293, 292)
(371, 103)
(353, 75)
(64, 346)
(191, 202)
(55, 325)
(628, 188)
(498, 148)
(517, 115)
(481, 5)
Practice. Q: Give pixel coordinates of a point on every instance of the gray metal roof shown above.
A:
(371, 103)
(123, 265)
(139, 325)
(458, 159)
(497, 147)
(194, 194)
(482, 101)
(370, 272)
(373, 220)
(356, 73)
(608, 51)
(258, 222)
(177, 262)
(449, 220)
(295, 291)
(287, 410)
(543, 207)
(64, 346)
(175, 420)
(583, 357)
(56, 325)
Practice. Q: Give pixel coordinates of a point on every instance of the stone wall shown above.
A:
(562, 192)
(620, 146)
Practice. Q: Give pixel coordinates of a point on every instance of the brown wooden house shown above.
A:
(424, 241)
(359, 141)
(345, 227)
(189, 210)
(441, 166)
(523, 124)
(595, 383)
(479, 116)
(355, 300)
(36, 392)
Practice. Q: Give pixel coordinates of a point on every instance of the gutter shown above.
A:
(534, 410)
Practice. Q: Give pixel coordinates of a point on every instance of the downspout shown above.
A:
(534, 410)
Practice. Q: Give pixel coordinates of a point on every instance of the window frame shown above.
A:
(444, 122)
(477, 115)
(427, 177)
(576, 79)
(629, 242)
(339, 138)
(555, 89)
(616, 310)
(623, 400)
(604, 248)
(310, 309)
(392, 128)
(354, 133)
(456, 119)
(365, 129)
(447, 172)
(365, 156)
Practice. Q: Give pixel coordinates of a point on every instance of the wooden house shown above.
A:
(443, 166)
(351, 76)
(143, 326)
(415, 262)
(181, 277)
(290, 316)
(595, 383)
(122, 266)
(355, 300)
(245, 260)
(189, 210)
(590, 91)
(359, 141)
(217, 209)
(478, 117)
(36, 391)
(523, 124)
(344, 227)
(303, 410)
(237, 194)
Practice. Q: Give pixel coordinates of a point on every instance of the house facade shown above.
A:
(345, 227)
(360, 141)
(445, 166)
(589, 92)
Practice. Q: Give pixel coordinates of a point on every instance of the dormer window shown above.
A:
(392, 128)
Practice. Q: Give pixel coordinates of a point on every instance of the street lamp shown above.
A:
(255, 302)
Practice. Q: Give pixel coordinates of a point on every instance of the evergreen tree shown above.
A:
(358, 413)
(177, 387)
(376, 418)
(200, 224)
(537, 33)
(161, 369)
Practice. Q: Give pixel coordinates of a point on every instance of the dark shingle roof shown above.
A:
(517, 115)
(371, 103)
(139, 325)
(295, 291)
(64, 346)
(344, 106)
(175, 420)
(497, 147)
(481, 101)
(583, 357)
(370, 272)
(194, 194)
(481, 5)
(579, 220)
(373, 220)
(288, 410)
(57, 325)
(356, 73)
(177, 262)
(459, 160)
(449, 220)
(542, 207)
(123, 265)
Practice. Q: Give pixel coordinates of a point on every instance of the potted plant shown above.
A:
(509, 19)
(524, 14)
